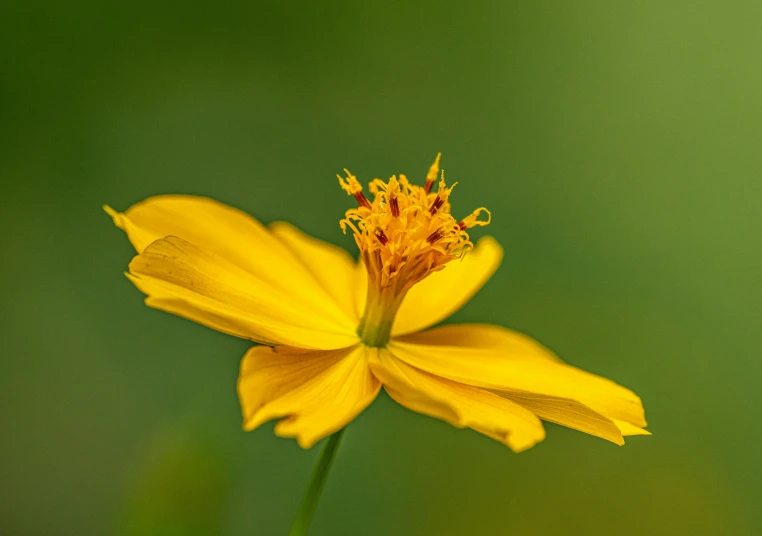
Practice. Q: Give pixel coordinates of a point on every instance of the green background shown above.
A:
(616, 143)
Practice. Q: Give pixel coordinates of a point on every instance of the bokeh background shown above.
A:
(617, 144)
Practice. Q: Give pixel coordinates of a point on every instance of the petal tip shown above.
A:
(304, 443)
(489, 240)
(117, 217)
(303, 440)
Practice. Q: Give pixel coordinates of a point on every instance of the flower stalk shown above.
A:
(311, 496)
(380, 309)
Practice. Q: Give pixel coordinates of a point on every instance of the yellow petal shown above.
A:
(234, 236)
(458, 404)
(183, 279)
(502, 368)
(332, 266)
(360, 287)
(487, 336)
(568, 413)
(444, 292)
(316, 393)
(628, 429)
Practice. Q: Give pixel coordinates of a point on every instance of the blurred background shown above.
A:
(616, 143)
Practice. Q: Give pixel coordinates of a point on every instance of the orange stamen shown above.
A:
(431, 176)
(395, 206)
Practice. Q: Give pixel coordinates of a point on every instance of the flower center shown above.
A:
(404, 234)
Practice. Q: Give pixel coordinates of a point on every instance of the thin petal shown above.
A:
(502, 368)
(360, 286)
(232, 235)
(316, 393)
(486, 336)
(568, 413)
(332, 266)
(628, 429)
(183, 279)
(458, 404)
(444, 292)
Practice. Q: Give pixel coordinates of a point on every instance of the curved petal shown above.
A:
(444, 292)
(183, 279)
(232, 235)
(500, 367)
(569, 413)
(487, 336)
(332, 266)
(317, 393)
(458, 404)
(360, 286)
(628, 429)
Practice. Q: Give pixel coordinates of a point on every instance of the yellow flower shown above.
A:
(333, 331)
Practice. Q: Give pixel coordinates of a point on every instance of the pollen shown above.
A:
(407, 231)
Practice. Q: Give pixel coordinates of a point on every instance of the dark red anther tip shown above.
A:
(433, 237)
(438, 202)
(381, 235)
(362, 200)
(394, 204)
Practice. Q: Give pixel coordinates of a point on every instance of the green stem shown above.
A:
(312, 494)
(381, 307)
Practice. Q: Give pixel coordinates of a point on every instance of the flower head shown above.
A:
(405, 234)
(333, 331)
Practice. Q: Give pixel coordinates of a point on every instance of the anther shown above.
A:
(433, 237)
(381, 235)
(431, 176)
(354, 188)
(361, 199)
(438, 202)
(395, 206)
(472, 219)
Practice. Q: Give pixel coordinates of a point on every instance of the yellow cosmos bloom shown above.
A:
(334, 331)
